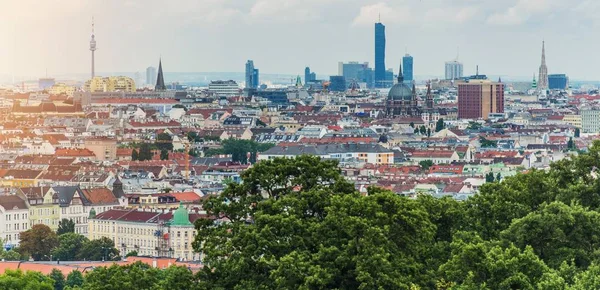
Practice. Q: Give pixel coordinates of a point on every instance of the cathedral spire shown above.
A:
(400, 75)
(543, 73)
(160, 81)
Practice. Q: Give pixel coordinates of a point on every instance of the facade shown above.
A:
(478, 98)
(150, 75)
(350, 152)
(14, 218)
(454, 70)
(573, 120)
(251, 75)
(337, 83)
(380, 79)
(558, 82)
(590, 120)
(148, 233)
(61, 89)
(103, 148)
(407, 63)
(543, 73)
(110, 84)
(224, 88)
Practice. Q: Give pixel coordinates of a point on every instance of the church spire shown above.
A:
(160, 81)
(400, 75)
(543, 72)
(429, 96)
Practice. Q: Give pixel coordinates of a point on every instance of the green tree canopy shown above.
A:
(65, 226)
(74, 279)
(164, 142)
(39, 241)
(58, 278)
(440, 125)
(69, 245)
(98, 250)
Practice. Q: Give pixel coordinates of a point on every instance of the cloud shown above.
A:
(289, 11)
(523, 10)
(450, 15)
(371, 13)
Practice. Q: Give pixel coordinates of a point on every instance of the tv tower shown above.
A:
(93, 47)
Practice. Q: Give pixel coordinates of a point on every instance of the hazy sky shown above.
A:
(283, 36)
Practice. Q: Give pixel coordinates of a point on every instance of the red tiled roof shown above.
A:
(63, 152)
(100, 196)
(186, 197)
(23, 174)
(155, 124)
(432, 154)
(12, 202)
(140, 101)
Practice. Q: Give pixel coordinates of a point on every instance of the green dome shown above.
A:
(181, 217)
(92, 213)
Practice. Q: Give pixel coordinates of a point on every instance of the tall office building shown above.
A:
(558, 82)
(337, 83)
(543, 75)
(380, 73)
(150, 75)
(478, 98)
(407, 63)
(353, 71)
(454, 70)
(93, 49)
(251, 75)
(160, 79)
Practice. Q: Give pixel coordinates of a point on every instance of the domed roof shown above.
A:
(400, 92)
(181, 217)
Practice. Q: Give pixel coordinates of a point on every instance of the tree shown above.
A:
(426, 164)
(69, 245)
(577, 132)
(474, 125)
(97, 250)
(498, 177)
(134, 155)
(11, 255)
(59, 279)
(164, 141)
(74, 279)
(423, 130)
(412, 124)
(181, 106)
(193, 137)
(440, 125)
(17, 279)
(416, 131)
(428, 132)
(65, 226)
(383, 138)
(39, 241)
(489, 177)
(485, 143)
(193, 153)
(132, 254)
(328, 235)
(571, 144)
(145, 152)
(164, 155)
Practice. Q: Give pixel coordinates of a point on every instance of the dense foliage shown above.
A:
(297, 224)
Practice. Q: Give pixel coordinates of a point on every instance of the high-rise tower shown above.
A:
(160, 80)
(407, 63)
(93, 48)
(543, 76)
(380, 55)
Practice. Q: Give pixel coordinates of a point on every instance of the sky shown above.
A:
(284, 36)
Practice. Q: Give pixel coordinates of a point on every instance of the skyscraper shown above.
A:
(380, 79)
(407, 63)
(454, 70)
(558, 82)
(160, 80)
(150, 75)
(478, 98)
(93, 48)
(543, 76)
(307, 75)
(251, 74)
(353, 71)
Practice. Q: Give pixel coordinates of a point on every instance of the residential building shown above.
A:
(104, 148)
(367, 153)
(110, 84)
(14, 219)
(149, 233)
(478, 98)
(573, 120)
(590, 119)
(44, 206)
(61, 89)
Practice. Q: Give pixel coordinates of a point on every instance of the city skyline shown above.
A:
(130, 43)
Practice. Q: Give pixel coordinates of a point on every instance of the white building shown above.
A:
(454, 70)
(224, 88)
(14, 219)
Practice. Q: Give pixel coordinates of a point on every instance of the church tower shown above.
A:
(160, 81)
(543, 77)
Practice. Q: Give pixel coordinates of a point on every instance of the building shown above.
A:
(308, 76)
(478, 98)
(224, 88)
(543, 73)
(407, 63)
(380, 72)
(149, 233)
(590, 119)
(402, 100)
(14, 219)
(93, 49)
(353, 71)
(45, 83)
(150, 75)
(160, 79)
(558, 82)
(110, 84)
(348, 152)
(573, 120)
(454, 70)
(61, 89)
(337, 84)
(105, 149)
(251, 75)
